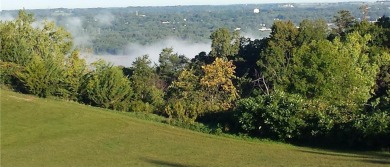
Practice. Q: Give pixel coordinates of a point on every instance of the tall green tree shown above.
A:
(384, 23)
(378, 51)
(147, 87)
(170, 65)
(186, 102)
(378, 34)
(224, 43)
(310, 30)
(343, 20)
(75, 69)
(275, 62)
(247, 71)
(341, 72)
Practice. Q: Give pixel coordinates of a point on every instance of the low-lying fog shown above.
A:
(187, 48)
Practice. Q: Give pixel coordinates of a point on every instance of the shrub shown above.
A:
(107, 87)
(140, 106)
(8, 74)
(41, 77)
(278, 115)
(184, 109)
(374, 129)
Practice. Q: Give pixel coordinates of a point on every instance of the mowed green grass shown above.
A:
(46, 132)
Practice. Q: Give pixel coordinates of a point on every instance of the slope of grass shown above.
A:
(45, 132)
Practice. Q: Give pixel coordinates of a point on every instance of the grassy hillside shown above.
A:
(44, 132)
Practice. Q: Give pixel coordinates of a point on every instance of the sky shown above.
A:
(46, 4)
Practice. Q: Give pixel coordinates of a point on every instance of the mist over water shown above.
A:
(6, 17)
(75, 26)
(255, 35)
(134, 50)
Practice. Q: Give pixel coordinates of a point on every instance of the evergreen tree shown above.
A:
(344, 20)
(147, 87)
(75, 69)
(170, 65)
(107, 87)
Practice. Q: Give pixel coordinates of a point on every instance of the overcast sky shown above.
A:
(45, 4)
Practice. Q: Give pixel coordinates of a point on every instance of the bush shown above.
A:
(278, 115)
(183, 109)
(41, 77)
(195, 126)
(374, 129)
(8, 74)
(140, 106)
(107, 87)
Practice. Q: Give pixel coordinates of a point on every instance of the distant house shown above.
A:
(264, 29)
(383, 1)
(256, 11)
(61, 13)
(287, 6)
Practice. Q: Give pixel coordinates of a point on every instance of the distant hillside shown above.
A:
(112, 30)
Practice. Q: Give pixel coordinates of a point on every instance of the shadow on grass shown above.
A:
(165, 163)
(377, 161)
(375, 158)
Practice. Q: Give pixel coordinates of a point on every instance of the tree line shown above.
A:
(306, 84)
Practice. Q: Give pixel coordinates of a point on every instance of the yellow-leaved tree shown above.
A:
(218, 86)
(192, 96)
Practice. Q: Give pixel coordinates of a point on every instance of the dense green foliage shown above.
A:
(107, 87)
(75, 69)
(301, 84)
(224, 44)
(278, 115)
(170, 65)
(148, 93)
(341, 83)
(39, 52)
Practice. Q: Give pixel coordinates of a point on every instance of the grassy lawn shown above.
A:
(46, 132)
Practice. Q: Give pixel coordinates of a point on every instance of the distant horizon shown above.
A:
(73, 4)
